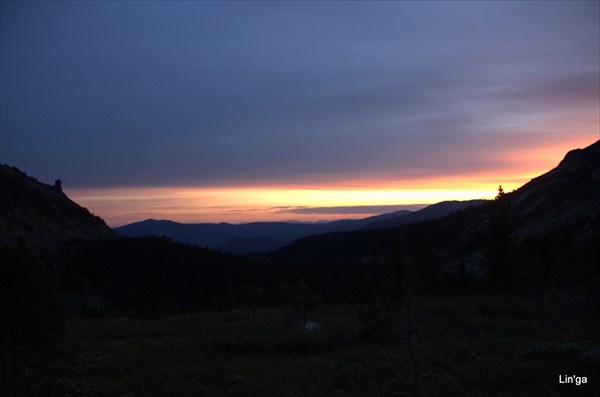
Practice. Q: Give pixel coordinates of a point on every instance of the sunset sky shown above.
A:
(244, 111)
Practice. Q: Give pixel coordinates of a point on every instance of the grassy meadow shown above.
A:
(467, 346)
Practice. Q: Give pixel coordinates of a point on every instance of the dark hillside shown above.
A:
(433, 211)
(262, 236)
(568, 194)
(42, 214)
(241, 238)
(555, 221)
(459, 233)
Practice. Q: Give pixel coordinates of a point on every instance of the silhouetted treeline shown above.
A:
(148, 277)
(155, 276)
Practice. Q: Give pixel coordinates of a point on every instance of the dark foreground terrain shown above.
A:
(466, 346)
(500, 299)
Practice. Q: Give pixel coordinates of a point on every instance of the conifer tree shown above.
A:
(500, 255)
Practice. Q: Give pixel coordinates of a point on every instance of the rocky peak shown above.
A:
(42, 213)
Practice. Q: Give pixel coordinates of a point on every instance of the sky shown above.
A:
(244, 111)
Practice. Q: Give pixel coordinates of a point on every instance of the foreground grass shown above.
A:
(471, 346)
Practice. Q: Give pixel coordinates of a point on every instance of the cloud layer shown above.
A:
(293, 93)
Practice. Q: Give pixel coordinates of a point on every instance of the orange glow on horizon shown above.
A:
(120, 206)
(276, 202)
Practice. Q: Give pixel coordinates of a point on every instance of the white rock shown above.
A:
(312, 326)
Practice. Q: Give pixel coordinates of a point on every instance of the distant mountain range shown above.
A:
(266, 236)
(45, 216)
(42, 214)
(560, 207)
(565, 197)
